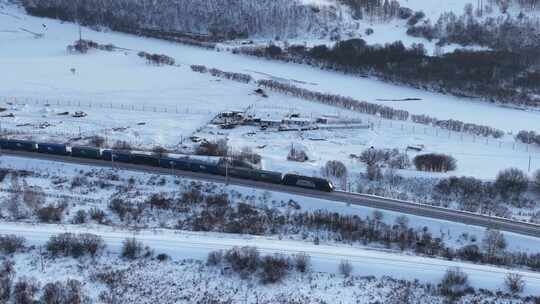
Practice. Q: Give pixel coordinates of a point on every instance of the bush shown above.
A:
(536, 179)
(345, 268)
(243, 260)
(214, 258)
(62, 293)
(514, 282)
(10, 244)
(511, 182)
(274, 268)
(454, 284)
(80, 217)
(50, 214)
(7, 272)
(335, 168)
(97, 215)
(162, 257)
(435, 162)
(373, 172)
(302, 262)
(69, 244)
(24, 291)
(132, 249)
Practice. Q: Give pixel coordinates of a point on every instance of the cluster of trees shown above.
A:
(75, 245)
(335, 100)
(434, 162)
(458, 126)
(217, 18)
(244, 78)
(247, 261)
(157, 59)
(503, 76)
(502, 32)
(528, 137)
(83, 46)
(376, 9)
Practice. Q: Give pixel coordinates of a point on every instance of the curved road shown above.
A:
(382, 203)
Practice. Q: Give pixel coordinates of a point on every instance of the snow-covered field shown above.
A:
(55, 180)
(325, 258)
(39, 72)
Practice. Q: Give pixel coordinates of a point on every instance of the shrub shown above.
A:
(454, 284)
(50, 214)
(69, 244)
(80, 217)
(274, 268)
(10, 244)
(62, 293)
(243, 260)
(514, 282)
(536, 179)
(162, 257)
(335, 168)
(345, 268)
(435, 162)
(302, 262)
(373, 172)
(24, 291)
(7, 272)
(132, 249)
(511, 182)
(214, 258)
(97, 215)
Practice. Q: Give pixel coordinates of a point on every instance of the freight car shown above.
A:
(185, 164)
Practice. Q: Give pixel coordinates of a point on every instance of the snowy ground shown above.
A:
(55, 181)
(174, 102)
(188, 281)
(189, 245)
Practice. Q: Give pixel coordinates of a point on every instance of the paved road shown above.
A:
(351, 198)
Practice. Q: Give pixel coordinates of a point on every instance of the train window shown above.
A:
(306, 183)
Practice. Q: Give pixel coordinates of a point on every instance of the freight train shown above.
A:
(153, 160)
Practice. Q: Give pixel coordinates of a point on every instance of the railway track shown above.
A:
(382, 203)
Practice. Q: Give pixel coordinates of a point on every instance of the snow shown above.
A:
(455, 235)
(325, 258)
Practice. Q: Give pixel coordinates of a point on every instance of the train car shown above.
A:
(253, 174)
(56, 149)
(308, 182)
(18, 145)
(86, 152)
(117, 156)
(196, 165)
(175, 163)
(144, 159)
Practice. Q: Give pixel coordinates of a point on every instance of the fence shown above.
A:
(155, 108)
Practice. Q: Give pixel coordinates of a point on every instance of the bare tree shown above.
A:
(345, 268)
(493, 243)
(514, 282)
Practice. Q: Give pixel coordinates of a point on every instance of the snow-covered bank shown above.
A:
(186, 245)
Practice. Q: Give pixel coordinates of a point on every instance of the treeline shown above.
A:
(244, 78)
(386, 112)
(498, 76)
(501, 33)
(371, 9)
(217, 18)
(528, 137)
